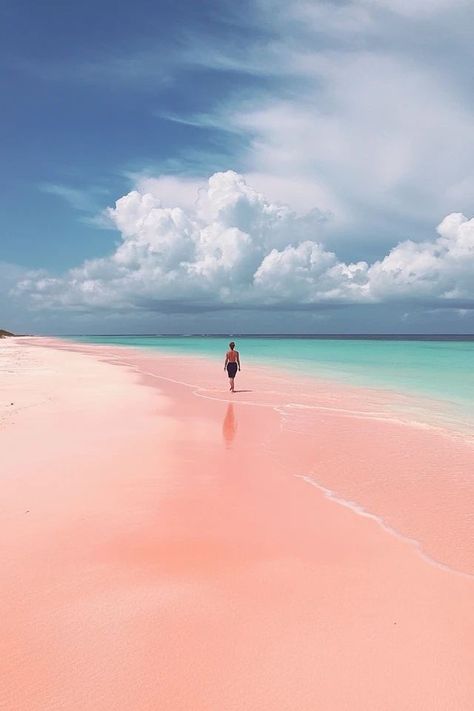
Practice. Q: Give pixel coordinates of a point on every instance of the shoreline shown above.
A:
(412, 407)
(444, 458)
(191, 527)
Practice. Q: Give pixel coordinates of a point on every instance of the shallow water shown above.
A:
(440, 370)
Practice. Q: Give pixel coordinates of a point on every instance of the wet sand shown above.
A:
(172, 546)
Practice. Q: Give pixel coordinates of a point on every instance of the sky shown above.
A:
(223, 167)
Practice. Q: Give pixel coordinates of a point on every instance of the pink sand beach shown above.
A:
(169, 546)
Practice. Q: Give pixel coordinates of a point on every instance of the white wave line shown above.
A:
(360, 511)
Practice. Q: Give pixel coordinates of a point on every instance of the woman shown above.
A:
(232, 362)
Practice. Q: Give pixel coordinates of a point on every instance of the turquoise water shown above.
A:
(440, 369)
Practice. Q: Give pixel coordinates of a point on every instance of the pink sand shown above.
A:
(170, 546)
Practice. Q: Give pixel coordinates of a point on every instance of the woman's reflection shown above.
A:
(229, 426)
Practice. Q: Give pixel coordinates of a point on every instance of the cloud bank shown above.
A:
(233, 248)
(363, 106)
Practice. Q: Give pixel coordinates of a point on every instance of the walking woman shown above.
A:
(232, 362)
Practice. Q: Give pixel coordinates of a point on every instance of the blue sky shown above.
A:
(277, 166)
(75, 117)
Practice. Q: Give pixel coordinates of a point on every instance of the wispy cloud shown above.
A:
(83, 200)
(89, 202)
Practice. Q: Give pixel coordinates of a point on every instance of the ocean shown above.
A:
(440, 368)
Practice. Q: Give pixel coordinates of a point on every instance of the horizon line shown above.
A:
(264, 335)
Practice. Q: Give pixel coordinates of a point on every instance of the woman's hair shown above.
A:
(232, 345)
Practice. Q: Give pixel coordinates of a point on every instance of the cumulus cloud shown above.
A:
(441, 269)
(373, 135)
(234, 248)
(361, 107)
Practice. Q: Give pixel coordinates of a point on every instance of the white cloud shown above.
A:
(307, 273)
(365, 113)
(233, 247)
(441, 269)
(362, 107)
(87, 201)
(170, 190)
(415, 8)
(369, 135)
(80, 199)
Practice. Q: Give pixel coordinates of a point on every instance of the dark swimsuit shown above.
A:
(231, 369)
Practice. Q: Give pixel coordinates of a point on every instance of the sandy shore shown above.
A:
(166, 547)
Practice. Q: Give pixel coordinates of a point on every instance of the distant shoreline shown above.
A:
(309, 336)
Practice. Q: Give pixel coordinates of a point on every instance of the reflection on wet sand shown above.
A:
(229, 426)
